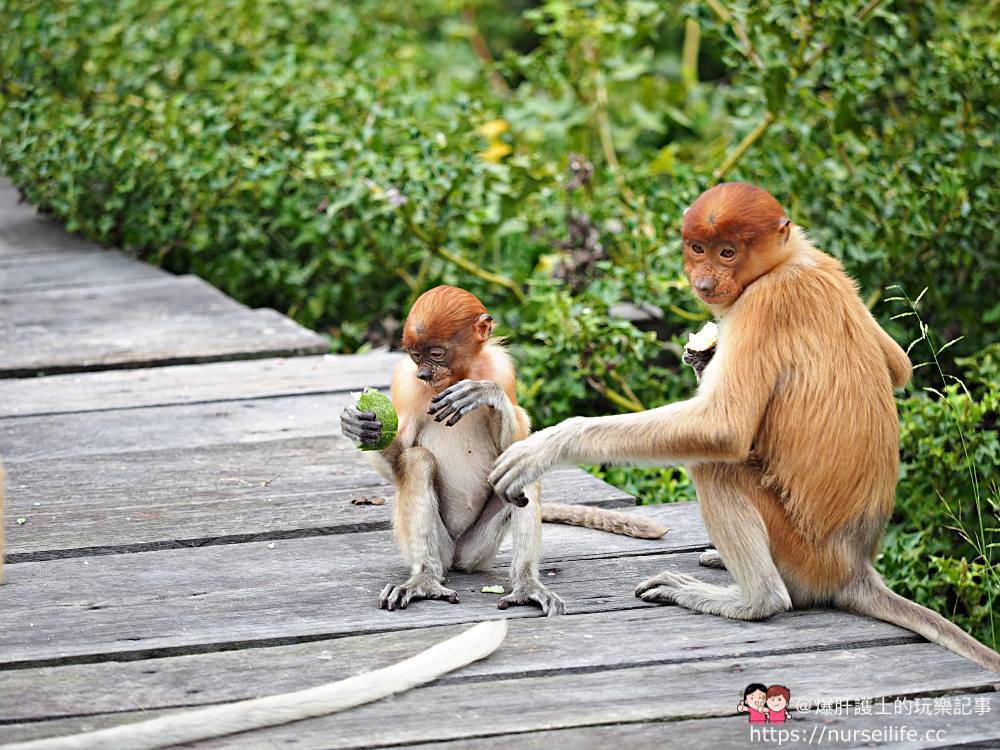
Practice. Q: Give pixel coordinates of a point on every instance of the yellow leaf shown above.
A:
(496, 151)
(494, 128)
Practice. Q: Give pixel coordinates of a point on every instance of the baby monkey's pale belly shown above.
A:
(464, 454)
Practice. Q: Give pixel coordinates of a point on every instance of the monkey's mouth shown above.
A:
(713, 296)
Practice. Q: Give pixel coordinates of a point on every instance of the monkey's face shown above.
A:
(434, 363)
(715, 269)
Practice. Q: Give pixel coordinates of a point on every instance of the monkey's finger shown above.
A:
(445, 408)
(461, 385)
(462, 408)
(511, 489)
(348, 422)
(359, 423)
(356, 415)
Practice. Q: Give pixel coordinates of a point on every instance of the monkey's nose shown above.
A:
(424, 375)
(705, 285)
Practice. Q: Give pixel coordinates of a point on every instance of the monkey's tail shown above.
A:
(468, 646)
(603, 519)
(870, 596)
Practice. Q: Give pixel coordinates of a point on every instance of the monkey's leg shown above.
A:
(526, 542)
(477, 547)
(423, 539)
(725, 493)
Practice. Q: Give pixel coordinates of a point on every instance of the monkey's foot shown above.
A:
(534, 593)
(422, 587)
(711, 559)
(725, 601)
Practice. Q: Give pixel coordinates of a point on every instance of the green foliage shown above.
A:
(334, 160)
(950, 447)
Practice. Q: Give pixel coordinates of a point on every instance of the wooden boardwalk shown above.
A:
(181, 533)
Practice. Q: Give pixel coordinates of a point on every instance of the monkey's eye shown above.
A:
(697, 248)
(728, 252)
(437, 353)
(414, 355)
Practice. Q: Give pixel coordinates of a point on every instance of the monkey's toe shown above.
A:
(711, 559)
(665, 580)
(658, 595)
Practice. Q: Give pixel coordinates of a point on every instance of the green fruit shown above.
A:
(372, 400)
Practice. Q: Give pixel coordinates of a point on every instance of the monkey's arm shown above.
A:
(718, 424)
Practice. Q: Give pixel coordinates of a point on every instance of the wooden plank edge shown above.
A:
(295, 350)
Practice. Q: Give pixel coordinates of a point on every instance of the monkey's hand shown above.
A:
(421, 586)
(463, 397)
(526, 460)
(698, 360)
(534, 592)
(360, 427)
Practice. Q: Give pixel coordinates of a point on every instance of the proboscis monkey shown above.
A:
(792, 438)
(455, 397)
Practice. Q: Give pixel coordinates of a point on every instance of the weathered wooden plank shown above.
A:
(96, 268)
(116, 344)
(167, 427)
(535, 647)
(975, 730)
(459, 710)
(151, 602)
(187, 384)
(128, 304)
(183, 497)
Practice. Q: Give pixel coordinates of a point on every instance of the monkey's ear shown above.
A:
(784, 228)
(484, 327)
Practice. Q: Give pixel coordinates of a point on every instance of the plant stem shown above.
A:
(482, 50)
(724, 14)
(614, 397)
(737, 153)
(464, 263)
(482, 273)
(689, 54)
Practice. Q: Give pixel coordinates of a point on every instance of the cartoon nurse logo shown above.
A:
(754, 703)
(777, 704)
(765, 705)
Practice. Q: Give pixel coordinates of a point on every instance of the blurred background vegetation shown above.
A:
(333, 160)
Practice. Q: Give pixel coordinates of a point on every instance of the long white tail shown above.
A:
(870, 596)
(603, 519)
(473, 644)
